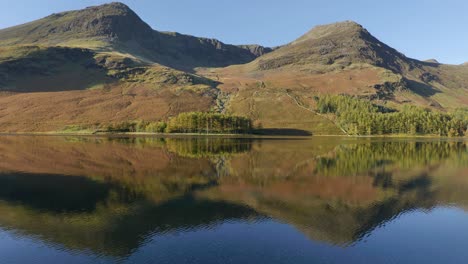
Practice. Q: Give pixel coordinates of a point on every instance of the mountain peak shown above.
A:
(113, 21)
(336, 45)
(117, 5)
(343, 25)
(432, 61)
(115, 27)
(114, 7)
(340, 28)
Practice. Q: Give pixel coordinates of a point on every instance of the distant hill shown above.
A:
(103, 64)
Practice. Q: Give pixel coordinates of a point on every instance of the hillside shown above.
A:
(340, 58)
(337, 45)
(103, 65)
(115, 27)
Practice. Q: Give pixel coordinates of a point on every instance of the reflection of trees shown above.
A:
(107, 195)
(358, 158)
(200, 147)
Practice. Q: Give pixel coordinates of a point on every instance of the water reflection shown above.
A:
(111, 195)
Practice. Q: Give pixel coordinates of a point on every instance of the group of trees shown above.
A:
(193, 122)
(150, 127)
(361, 117)
(198, 122)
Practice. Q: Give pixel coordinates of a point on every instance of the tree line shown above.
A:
(198, 122)
(361, 117)
(192, 122)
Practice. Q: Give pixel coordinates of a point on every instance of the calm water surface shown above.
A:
(224, 200)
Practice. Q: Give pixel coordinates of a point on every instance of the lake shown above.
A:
(66, 199)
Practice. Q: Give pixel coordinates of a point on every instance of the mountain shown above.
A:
(339, 58)
(103, 65)
(115, 27)
(339, 44)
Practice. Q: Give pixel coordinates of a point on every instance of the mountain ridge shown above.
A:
(115, 26)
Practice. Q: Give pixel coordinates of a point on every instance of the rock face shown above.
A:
(256, 50)
(178, 51)
(118, 28)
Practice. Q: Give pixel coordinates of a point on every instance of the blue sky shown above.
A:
(419, 29)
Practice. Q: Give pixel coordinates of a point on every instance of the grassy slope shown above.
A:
(48, 88)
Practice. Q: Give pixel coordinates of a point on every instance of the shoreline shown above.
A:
(168, 135)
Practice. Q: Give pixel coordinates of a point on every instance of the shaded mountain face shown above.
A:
(186, 52)
(115, 27)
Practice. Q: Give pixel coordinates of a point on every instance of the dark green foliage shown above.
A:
(150, 127)
(193, 122)
(138, 126)
(360, 117)
(196, 122)
(121, 127)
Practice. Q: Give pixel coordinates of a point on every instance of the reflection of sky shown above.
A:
(436, 236)
(17, 249)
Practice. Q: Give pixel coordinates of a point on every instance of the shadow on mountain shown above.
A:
(422, 89)
(51, 69)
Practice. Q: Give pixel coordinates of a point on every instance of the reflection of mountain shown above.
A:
(114, 157)
(117, 228)
(341, 195)
(108, 195)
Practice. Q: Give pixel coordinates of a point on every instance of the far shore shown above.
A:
(148, 134)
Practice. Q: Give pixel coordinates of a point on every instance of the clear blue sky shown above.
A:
(420, 29)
